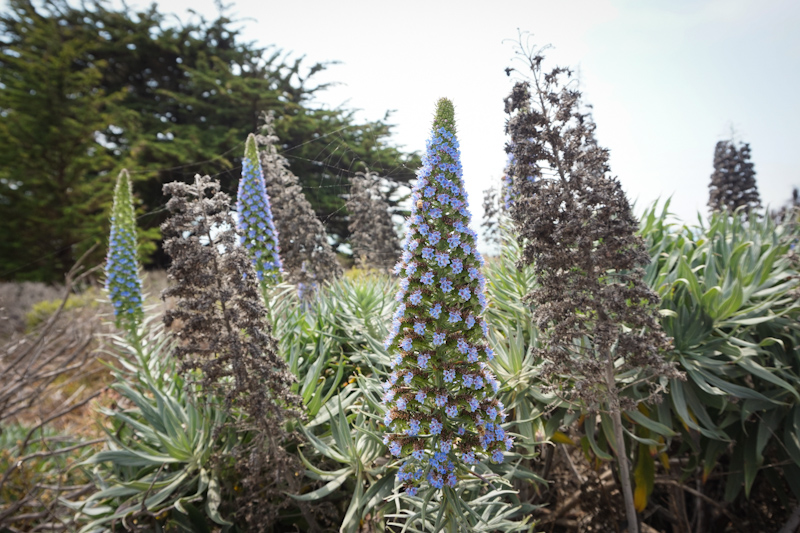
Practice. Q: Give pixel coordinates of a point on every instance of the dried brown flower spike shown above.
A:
(222, 328)
(220, 323)
(308, 259)
(733, 183)
(598, 317)
(372, 234)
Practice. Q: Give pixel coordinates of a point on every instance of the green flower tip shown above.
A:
(445, 116)
(251, 148)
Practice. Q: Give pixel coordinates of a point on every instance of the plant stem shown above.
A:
(620, 449)
(624, 472)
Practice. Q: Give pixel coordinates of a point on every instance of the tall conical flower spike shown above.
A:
(441, 411)
(122, 267)
(255, 227)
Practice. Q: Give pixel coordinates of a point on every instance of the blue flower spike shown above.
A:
(122, 266)
(256, 228)
(441, 415)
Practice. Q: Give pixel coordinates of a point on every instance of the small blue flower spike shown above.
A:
(256, 228)
(122, 266)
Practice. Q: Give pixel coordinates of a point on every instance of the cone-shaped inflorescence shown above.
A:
(255, 226)
(372, 233)
(440, 408)
(308, 258)
(733, 183)
(491, 217)
(122, 267)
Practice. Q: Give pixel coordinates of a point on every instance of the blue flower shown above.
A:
(442, 259)
(441, 400)
(423, 229)
(401, 404)
(462, 346)
(438, 338)
(446, 285)
(413, 428)
(451, 411)
(422, 360)
(420, 396)
(436, 427)
(434, 238)
(395, 448)
(453, 240)
(455, 316)
(436, 310)
(449, 375)
(426, 278)
(406, 344)
(456, 266)
(497, 455)
(427, 253)
(419, 328)
(464, 293)
(416, 298)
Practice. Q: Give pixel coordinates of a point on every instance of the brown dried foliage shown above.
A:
(374, 240)
(220, 324)
(733, 183)
(577, 230)
(307, 257)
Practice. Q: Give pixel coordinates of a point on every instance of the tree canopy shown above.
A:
(87, 90)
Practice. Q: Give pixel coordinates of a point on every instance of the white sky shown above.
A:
(667, 80)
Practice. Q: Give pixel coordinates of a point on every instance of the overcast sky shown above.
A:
(667, 79)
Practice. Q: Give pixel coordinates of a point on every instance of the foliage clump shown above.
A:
(733, 182)
(440, 409)
(222, 332)
(122, 265)
(372, 233)
(308, 258)
(598, 317)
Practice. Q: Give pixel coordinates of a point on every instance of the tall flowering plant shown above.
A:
(441, 414)
(256, 229)
(122, 267)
